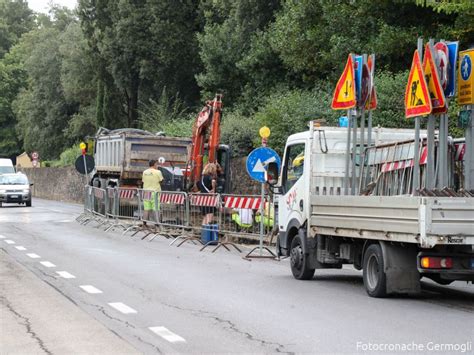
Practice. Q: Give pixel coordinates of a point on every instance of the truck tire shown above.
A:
(299, 261)
(375, 280)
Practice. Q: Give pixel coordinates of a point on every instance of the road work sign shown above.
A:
(466, 78)
(258, 160)
(432, 79)
(371, 103)
(345, 94)
(417, 97)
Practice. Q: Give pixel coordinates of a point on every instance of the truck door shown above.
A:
(291, 203)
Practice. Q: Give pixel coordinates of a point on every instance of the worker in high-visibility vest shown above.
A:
(268, 215)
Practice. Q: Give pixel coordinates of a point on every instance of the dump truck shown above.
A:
(122, 155)
(393, 235)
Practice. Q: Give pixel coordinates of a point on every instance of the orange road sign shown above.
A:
(345, 96)
(432, 79)
(417, 96)
(371, 103)
(466, 78)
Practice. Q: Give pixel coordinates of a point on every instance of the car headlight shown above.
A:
(26, 191)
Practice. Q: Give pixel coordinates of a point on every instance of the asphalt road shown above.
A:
(159, 298)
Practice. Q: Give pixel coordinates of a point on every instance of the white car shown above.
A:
(15, 188)
(6, 166)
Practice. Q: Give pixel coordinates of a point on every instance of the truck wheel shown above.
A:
(299, 261)
(375, 280)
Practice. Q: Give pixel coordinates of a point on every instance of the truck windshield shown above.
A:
(294, 165)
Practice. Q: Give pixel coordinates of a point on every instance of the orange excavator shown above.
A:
(206, 148)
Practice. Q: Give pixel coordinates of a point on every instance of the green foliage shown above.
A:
(391, 94)
(15, 19)
(66, 158)
(157, 114)
(239, 132)
(289, 112)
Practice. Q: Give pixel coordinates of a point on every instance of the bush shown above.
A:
(239, 132)
(288, 112)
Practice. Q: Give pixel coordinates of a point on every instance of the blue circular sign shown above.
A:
(466, 67)
(258, 160)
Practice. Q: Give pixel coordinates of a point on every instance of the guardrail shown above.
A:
(179, 215)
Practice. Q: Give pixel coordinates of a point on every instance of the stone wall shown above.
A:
(241, 181)
(60, 184)
(65, 184)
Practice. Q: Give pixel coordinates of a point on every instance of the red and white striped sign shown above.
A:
(99, 193)
(460, 150)
(176, 199)
(242, 202)
(204, 200)
(127, 193)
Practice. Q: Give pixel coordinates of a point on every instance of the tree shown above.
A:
(234, 49)
(144, 46)
(15, 19)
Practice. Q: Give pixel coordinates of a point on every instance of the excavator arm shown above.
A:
(206, 130)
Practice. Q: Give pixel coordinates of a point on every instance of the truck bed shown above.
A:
(427, 221)
(127, 155)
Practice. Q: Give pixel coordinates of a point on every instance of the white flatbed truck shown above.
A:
(395, 240)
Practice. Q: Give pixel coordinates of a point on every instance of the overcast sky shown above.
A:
(43, 5)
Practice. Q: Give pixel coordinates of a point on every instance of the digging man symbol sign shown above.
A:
(417, 97)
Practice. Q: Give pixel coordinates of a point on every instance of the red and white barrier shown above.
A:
(173, 198)
(204, 200)
(242, 202)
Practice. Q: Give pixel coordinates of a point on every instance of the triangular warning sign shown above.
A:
(344, 96)
(371, 103)
(432, 79)
(417, 97)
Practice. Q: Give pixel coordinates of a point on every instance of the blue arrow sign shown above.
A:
(453, 48)
(258, 160)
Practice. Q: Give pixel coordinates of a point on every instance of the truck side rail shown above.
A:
(427, 221)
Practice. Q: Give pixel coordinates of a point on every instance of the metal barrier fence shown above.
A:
(123, 205)
(178, 214)
(240, 215)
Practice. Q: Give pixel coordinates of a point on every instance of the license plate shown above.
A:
(14, 196)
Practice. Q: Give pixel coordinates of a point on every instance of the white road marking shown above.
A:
(2, 236)
(90, 289)
(33, 256)
(47, 263)
(22, 248)
(119, 306)
(8, 241)
(65, 274)
(166, 334)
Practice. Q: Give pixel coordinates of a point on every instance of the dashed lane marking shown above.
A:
(33, 256)
(65, 275)
(8, 241)
(166, 334)
(19, 247)
(121, 307)
(90, 289)
(47, 264)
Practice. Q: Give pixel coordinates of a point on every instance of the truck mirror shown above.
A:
(271, 175)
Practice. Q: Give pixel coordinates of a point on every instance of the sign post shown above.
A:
(466, 98)
(257, 163)
(84, 151)
(417, 103)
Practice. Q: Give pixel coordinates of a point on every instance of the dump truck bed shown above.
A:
(127, 154)
(427, 221)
